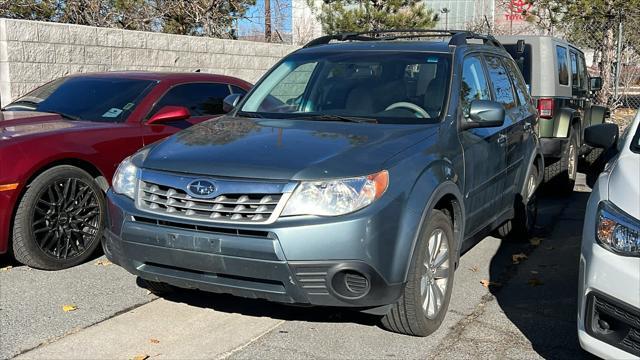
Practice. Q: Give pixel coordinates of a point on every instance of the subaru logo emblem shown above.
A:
(201, 188)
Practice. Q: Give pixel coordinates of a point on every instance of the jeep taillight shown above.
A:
(545, 108)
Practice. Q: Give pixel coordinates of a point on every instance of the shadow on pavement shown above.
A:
(263, 308)
(539, 295)
(8, 260)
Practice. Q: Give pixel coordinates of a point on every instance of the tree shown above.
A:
(28, 9)
(590, 24)
(185, 17)
(201, 17)
(371, 15)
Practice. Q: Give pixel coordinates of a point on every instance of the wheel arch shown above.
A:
(537, 160)
(446, 196)
(563, 122)
(85, 165)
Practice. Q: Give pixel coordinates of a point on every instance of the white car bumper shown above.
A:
(615, 281)
(603, 273)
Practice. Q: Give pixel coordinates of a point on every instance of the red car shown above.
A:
(61, 143)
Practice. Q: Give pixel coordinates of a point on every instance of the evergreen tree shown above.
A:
(362, 15)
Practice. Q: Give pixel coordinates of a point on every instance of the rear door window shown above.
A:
(518, 82)
(500, 82)
(575, 78)
(583, 75)
(238, 90)
(563, 67)
(474, 82)
(202, 99)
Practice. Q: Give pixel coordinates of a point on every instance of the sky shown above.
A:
(280, 14)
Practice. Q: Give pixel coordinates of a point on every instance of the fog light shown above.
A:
(350, 284)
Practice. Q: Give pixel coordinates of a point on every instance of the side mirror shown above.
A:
(169, 113)
(595, 83)
(230, 102)
(602, 135)
(484, 113)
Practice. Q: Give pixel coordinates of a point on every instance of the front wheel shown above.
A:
(59, 221)
(425, 297)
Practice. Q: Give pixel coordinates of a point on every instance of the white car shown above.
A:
(609, 284)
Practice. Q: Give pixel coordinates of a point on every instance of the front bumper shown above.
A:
(267, 263)
(609, 289)
(7, 205)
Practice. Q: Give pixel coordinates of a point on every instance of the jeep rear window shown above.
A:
(398, 87)
(523, 60)
(563, 67)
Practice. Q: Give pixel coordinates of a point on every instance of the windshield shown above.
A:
(85, 98)
(403, 87)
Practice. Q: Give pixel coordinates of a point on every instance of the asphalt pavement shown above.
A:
(528, 311)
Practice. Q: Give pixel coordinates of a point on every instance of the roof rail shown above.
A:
(458, 37)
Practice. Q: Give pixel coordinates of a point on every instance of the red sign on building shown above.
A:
(515, 9)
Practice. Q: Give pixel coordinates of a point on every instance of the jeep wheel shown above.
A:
(526, 212)
(561, 176)
(425, 298)
(592, 157)
(60, 219)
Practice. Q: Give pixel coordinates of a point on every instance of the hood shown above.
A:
(283, 149)
(624, 187)
(14, 124)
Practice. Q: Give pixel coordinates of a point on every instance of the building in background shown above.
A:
(502, 16)
(304, 23)
(462, 14)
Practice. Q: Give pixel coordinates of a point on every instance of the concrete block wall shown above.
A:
(32, 53)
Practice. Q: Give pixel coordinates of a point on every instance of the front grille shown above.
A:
(618, 312)
(614, 322)
(204, 228)
(236, 208)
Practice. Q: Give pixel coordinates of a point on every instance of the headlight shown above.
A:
(336, 197)
(617, 231)
(124, 180)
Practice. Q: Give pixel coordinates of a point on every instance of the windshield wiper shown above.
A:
(328, 117)
(64, 115)
(21, 104)
(249, 114)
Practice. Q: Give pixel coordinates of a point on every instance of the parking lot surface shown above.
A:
(527, 311)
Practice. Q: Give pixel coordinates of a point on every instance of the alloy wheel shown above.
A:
(435, 274)
(66, 218)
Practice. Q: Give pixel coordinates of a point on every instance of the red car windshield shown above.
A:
(86, 98)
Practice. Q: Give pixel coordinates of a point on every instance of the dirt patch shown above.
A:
(623, 117)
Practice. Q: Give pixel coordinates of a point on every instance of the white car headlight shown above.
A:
(617, 231)
(336, 197)
(125, 178)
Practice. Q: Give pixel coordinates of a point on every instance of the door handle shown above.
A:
(502, 139)
(527, 126)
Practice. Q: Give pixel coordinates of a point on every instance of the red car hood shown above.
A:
(22, 123)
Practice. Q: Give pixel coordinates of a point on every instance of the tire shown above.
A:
(560, 177)
(60, 219)
(526, 212)
(592, 157)
(407, 315)
(156, 288)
